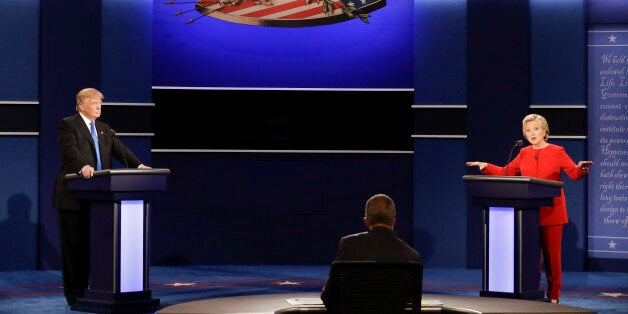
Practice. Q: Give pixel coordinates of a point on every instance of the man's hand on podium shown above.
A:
(86, 172)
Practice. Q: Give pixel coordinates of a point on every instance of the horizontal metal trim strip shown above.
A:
(281, 151)
(438, 106)
(129, 104)
(606, 237)
(19, 133)
(135, 134)
(559, 106)
(617, 30)
(613, 45)
(569, 137)
(574, 137)
(288, 89)
(531, 106)
(9, 102)
(37, 133)
(438, 136)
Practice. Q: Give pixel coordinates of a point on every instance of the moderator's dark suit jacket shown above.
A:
(77, 150)
(380, 244)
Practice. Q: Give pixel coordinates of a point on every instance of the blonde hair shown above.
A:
(87, 93)
(380, 209)
(538, 119)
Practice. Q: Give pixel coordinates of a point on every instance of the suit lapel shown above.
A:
(80, 124)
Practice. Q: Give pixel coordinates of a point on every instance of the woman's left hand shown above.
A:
(584, 164)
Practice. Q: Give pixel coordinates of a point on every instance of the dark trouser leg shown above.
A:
(74, 236)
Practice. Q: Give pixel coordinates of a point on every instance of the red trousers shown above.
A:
(551, 240)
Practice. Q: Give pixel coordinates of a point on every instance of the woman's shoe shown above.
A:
(554, 301)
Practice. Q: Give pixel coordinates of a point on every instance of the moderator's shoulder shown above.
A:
(352, 236)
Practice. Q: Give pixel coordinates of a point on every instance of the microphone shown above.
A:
(115, 136)
(517, 144)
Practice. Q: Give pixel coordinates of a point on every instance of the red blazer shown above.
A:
(545, 163)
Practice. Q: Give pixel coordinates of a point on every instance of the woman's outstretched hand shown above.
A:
(479, 164)
(584, 164)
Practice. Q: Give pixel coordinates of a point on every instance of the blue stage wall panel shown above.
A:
(18, 203)
(440, 45)
(19, 48)
(575, 232)
(439, 202)
(558, 52)
(127, 60)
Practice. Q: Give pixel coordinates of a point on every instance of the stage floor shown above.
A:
(269, 303)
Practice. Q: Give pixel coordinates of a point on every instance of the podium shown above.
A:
(119, 238)
(511, 232)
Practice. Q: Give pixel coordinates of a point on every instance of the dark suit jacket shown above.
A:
(379, 244)
(77, 150)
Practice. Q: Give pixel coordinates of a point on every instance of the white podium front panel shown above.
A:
(132, 246)
(501, 249)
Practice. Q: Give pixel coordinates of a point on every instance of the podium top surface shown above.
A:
(125, 171)
(512, 179)
(511, 187)
(121, 181)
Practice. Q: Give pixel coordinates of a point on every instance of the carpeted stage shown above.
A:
(278, 303)
(256, 289)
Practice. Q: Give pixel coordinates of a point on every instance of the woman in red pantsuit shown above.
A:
(545, 161)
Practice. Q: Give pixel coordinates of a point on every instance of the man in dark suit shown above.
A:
(379, 243)
(79, 156)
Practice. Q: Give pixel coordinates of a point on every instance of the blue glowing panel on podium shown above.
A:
(501, 248)
(132, 246)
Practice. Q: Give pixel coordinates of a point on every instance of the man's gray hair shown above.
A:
(380, 209)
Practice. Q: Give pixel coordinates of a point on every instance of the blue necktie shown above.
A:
(92, 130)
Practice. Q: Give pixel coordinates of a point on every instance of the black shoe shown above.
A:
(72, 300)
